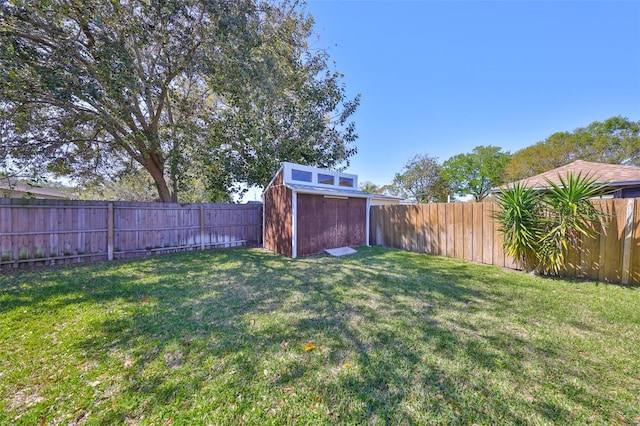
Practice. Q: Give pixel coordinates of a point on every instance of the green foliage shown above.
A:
(519, 216)
(137, 185)
(370, 187)
(475, 173)
(540, 227)
(134, 186)
(615, 140)
(215, 91)
(571, 215)
(420, 180)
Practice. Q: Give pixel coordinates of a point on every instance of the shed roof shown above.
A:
(610, 174)
(312, 189)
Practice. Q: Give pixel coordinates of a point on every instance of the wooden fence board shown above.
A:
(458, 229)
(391, 233)
(419, 223)
(6, 253)
(611, 256)
(373, 226)
(403, 225)
(442, 229)
(467, 231)
(416, 219)
(498, 251)
(487, 234)
(387, 235)
(411, 242)
(431, 222)
(387, 231)
(425, 217)
(634, 262)
(400, 228)
(449, 227)
(589, 256)
(477, 232)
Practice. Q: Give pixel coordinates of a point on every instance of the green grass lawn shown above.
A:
(219, 337)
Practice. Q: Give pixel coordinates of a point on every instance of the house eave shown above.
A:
(542, 188)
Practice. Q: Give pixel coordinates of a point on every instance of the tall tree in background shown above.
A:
(475, 173)
(370, 187)
(615, 140)
(213, 90)
(420, 180)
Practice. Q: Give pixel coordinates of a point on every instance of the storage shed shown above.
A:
(308, 210)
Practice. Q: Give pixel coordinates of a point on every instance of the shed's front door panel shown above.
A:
(328, 222)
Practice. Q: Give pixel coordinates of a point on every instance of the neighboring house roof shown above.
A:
(401, 200)
(613, 175)
(19, 190)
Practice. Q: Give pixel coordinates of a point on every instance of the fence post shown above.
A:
(626, 250)
(201, 227)
(110, 232)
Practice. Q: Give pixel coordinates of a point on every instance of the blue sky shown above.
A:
(441, 77)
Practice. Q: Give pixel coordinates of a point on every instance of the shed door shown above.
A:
(325, 222)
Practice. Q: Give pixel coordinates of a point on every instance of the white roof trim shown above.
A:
(314, 190)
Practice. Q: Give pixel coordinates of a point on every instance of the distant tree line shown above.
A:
(423, 179)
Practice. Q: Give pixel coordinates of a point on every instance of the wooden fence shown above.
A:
(467, 231)
(44, 232)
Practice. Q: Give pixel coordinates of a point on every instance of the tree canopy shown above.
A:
(475, 173)
(615, 140)
(370, 187)
(219, 91)
(420, 180)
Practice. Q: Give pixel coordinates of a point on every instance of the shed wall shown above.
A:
(278, 233)
(329, 222)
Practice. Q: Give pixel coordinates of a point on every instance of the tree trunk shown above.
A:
(161, 184)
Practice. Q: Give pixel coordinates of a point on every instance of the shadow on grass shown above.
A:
(401, 338)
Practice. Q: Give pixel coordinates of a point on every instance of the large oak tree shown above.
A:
(218, 90)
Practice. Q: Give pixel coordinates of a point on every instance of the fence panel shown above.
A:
(487, 234)
(42, 232)
(634, 244)
(468, 231)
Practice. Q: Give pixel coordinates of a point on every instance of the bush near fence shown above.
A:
(467, 231)
(42, 232)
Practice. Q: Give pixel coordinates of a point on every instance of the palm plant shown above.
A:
(569, 215)
(540, 227)
(519, 218)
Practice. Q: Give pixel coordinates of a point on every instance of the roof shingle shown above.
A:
(612, 174)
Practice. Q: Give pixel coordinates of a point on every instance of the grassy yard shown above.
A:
(243, 336)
